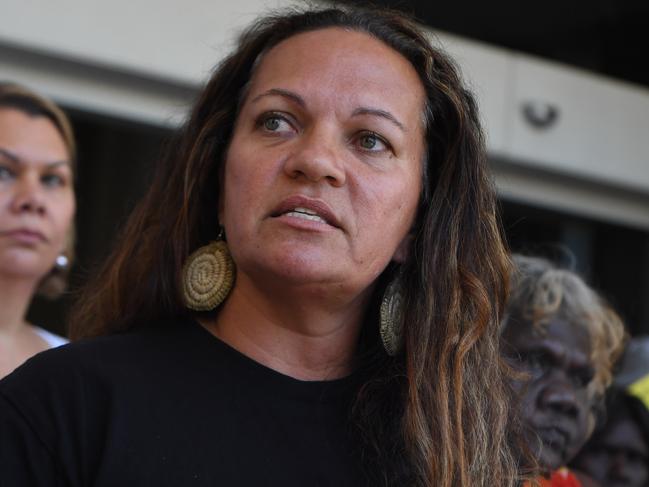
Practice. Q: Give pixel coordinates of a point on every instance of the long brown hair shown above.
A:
(434, 415)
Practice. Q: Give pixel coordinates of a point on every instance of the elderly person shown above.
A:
(563, 339)
(37, 206)
(309, 294)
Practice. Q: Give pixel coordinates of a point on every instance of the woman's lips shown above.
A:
(306, 209)
(555, 437)
(25, 236)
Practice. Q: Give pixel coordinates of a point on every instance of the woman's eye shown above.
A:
(53, 180)
(372, 142)
(275, 123)
(535, 363)
(5, 173)
(272, 124)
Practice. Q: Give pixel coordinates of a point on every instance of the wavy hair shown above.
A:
(541, 290)
(437, 413)
(17, 97)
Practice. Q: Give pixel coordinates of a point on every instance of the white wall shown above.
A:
(141, 59)
(170, 39)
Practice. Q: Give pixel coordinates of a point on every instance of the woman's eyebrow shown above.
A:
(377, 112)
(14, 159)
(52, 165)
(284, 93)
(10, 156)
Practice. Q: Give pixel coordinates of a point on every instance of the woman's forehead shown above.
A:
(340, 51)
(32, 139)
(341, 64)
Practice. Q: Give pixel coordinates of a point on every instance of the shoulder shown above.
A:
(99, 363)
(55, 390)
(106, 355)
(174, 353)
(50, 338)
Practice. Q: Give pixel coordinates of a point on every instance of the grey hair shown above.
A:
(541, 290)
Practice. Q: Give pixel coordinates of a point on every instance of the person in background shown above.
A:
(309, 294)
(618, 453)
(563, 339)
(37, 205)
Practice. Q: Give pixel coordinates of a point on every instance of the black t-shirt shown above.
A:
(171, 406)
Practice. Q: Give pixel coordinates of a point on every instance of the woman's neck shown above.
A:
(299, 334)
(18, 341)
(16, 295)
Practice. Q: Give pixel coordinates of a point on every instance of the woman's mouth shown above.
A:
(306, 209)
(306, 214)
(25, 236)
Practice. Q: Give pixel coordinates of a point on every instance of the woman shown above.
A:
(565, 338)
(36, 211)
(339, 158)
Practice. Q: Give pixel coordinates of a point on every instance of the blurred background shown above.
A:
(563, 88)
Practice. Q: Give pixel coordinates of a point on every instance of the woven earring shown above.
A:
(391, 317)
(208, 276)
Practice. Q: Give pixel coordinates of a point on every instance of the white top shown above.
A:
(51, 339)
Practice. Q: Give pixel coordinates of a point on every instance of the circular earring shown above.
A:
(61, 262)
(208, 276)
(391, 318)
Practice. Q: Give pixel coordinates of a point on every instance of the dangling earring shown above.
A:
(208, 275)
(391, 317)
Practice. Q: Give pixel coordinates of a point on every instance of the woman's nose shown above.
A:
(28, 196)
(317, 158)
(560, 396)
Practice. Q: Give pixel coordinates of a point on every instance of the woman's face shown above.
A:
(36, 194)
(557, 406)
(323, 172)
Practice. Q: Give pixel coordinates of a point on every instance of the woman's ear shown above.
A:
(403, 250)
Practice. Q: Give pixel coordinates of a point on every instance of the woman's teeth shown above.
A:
(306, 214)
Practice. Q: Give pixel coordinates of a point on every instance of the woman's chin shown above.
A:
(311, 276)
(302, 272)
(551, 459)
(24, 265)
